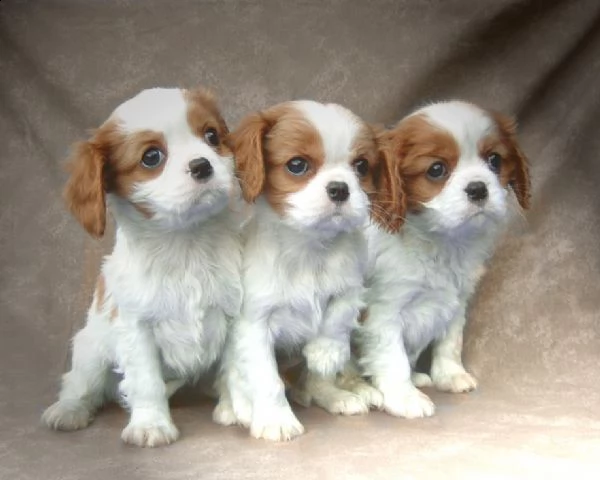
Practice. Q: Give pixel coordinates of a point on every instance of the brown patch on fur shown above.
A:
(108, 162)
(264, 143)
(514, 169)
(123, 154)
(114, 312)
(100, 291)
(416, 144)
(388, 201)
(203, 113)
(84, 193)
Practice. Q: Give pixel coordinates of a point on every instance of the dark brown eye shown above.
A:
(297, 166)
(361, 167)
(437, 171)
(494, 161)
(152, 158)
(211, 136)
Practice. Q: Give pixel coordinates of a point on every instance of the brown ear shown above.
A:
(247, 143)
(519, 179)
(84, 192)
(389, 200)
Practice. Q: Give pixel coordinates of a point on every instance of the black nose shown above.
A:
(200, 168)
(338, 191)
(476, 191)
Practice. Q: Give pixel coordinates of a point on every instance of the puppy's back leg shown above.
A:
(85, 386)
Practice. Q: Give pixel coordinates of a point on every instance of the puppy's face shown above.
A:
(456, 162)
(318, 166)
(162, 152)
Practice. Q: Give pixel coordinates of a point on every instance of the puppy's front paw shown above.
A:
(152, 430)
(408, 403)
(370, 396)
(341, 402)
(421, 380)
(279, 424)
(67, 415)
(460, 382)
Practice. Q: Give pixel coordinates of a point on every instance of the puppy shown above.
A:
(456, 162)
(165, 294)
(315, 173)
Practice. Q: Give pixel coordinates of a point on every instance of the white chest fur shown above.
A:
(182, 285)
(423, 280)
(290, 278)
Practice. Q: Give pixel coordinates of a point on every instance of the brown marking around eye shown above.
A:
(123, 153)
(417, 144)
(203, 113)
(291, 135)
(514, 170)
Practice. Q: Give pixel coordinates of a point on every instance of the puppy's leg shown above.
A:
(143, 386)
(447, 371)
(352, 380)
(328, 354)
(384, 359)
(83, 387)
(255, 394)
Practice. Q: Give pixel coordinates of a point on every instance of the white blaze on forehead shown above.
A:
(466, 122)
(337, 125)
(158, 109)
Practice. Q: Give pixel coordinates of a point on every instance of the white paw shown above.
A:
(343, 403)
(67, 415)
(153, 430)
(408, 403)
(421, 380)
(279, 424)
(460, 382)
(223, 414)
(367, 393)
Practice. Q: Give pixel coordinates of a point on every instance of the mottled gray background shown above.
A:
(534, 336)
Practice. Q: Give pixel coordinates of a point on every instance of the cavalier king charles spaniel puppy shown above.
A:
(456, 163)
(165, 294)
(315, 172)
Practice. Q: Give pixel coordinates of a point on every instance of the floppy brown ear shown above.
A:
(84, 193)
(247, 143)
(519, 179)
(389, 200)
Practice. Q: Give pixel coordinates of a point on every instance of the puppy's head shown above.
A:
(457, 162)
(318, 166)
(163, 152)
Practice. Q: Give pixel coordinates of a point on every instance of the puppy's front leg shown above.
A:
(384, 359)
(143, 386)
(255, 394)
(329, 353)
(447, 371)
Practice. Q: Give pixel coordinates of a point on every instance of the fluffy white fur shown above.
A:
(303, 275)
(421, 279)
(172, 280)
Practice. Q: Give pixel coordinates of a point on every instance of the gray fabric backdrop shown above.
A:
(534, 336)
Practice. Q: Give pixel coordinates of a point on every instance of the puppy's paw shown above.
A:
(67, 415)
(367, 393)
(421, 380)
(279, 424)
(342, 402)
(460, 382)
(152, 430)
(408, 403)
(223, 414)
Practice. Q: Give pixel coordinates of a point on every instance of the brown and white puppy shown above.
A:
(457, 163)
(165, 294)
(315, 172)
